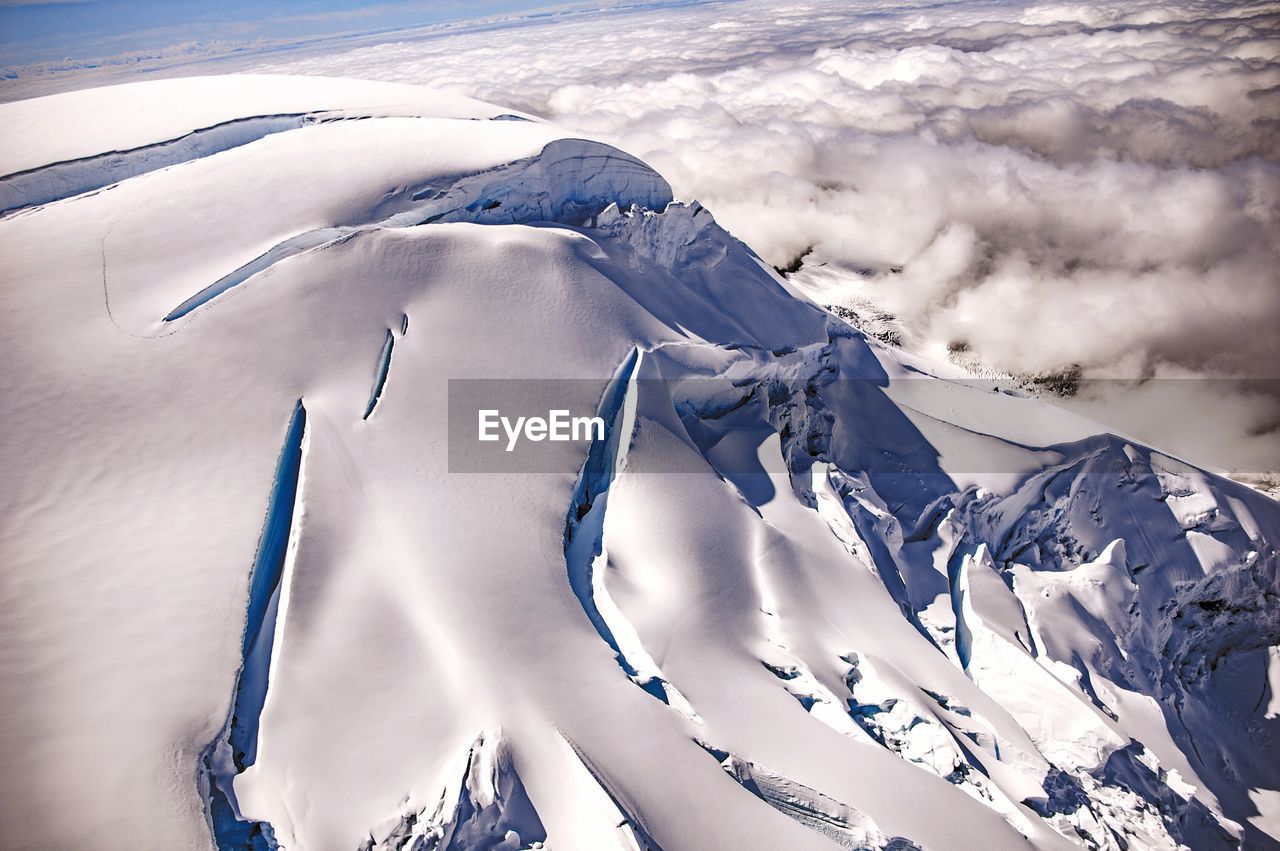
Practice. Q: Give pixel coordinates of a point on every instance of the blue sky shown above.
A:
(84, 29)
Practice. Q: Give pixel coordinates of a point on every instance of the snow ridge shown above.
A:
(570, 182)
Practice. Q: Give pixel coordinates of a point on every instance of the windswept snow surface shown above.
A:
(803, 594)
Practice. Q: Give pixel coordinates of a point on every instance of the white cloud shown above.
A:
(1050, 184)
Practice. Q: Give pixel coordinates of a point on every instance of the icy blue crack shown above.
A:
(380, 378)
(584, 527)
(235, 748)
(69, 178)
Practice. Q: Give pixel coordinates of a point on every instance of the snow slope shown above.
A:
(804, 594)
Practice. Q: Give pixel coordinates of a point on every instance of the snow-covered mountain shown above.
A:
(806, 592)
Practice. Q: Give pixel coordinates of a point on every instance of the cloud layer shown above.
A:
(1095, 184)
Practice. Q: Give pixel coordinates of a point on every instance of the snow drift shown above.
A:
(806, 593)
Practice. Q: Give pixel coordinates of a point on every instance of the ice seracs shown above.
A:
(801, 593)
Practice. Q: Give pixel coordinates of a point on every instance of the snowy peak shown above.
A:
(796, 592)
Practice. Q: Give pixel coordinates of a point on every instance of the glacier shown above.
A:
(809, 591)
